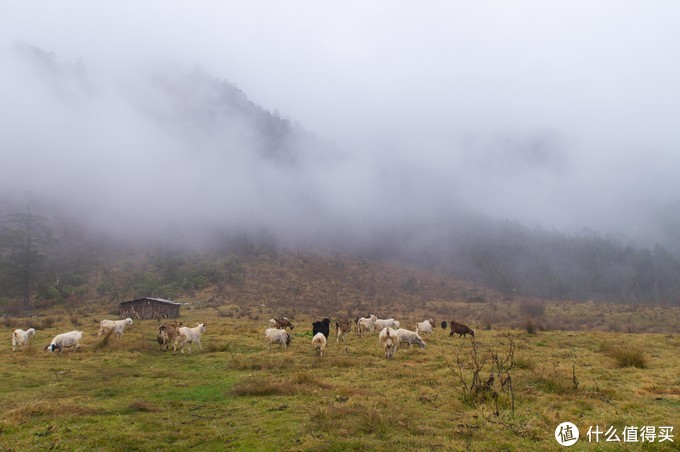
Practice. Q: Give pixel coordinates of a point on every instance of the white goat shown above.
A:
(410, 338)
(319, 343)
(70, 339)
(366, 324)
(272, 323)
(381, 324)
(425, 327)
(277, 336)
(21, 338)
(189, 335)
(116, 327)
(389, 341)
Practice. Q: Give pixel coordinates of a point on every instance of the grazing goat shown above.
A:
(167, 333)
(272, 323)
(65, 340)
(322, 326)
(283, 324)
(444, 325)
(342, 327)
(410, 338)
(381, 324)
(21, 338)
(425, 327)
(115, 326)
(389, 341)
(460, 330)
(366, 325)
(277, 336)
(189, 335)
(319, 343)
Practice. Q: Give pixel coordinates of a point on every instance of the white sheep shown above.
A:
(319, 343)
(187, 335)
(65, 340)
(21, 338)
(366, 324)
(277, 336)
(389, 341)
(410, 338)
(425, 327)
(116, 327)
(381, 324)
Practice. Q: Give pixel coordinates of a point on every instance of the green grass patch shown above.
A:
(237, 394)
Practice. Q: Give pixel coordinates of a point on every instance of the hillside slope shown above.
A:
(295, 284)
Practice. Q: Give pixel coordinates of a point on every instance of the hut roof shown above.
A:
(159, 300)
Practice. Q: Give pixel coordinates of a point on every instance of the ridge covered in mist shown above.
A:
(182, 162)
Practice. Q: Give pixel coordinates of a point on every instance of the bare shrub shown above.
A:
(529, 326)
(477, 388)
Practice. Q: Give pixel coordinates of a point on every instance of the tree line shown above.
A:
(57, 261)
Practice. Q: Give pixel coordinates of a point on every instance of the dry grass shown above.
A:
(33, 408)
(626, 356)
(238, 394)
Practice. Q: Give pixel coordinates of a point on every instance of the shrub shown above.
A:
(629, 357)
(530, 327)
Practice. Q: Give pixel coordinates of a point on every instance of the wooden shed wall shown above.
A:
(148, 309)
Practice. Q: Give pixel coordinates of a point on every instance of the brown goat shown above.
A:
(342, 327)
(167, 333)
(284, 323)
(461, 330)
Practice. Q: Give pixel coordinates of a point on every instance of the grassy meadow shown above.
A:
(128, 395)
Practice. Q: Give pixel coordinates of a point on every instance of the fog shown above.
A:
(394, 115)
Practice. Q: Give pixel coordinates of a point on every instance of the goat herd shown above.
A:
(168, 332)
(391, 334)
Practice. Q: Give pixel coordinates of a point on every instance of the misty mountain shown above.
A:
(175, 162)
(197, 109)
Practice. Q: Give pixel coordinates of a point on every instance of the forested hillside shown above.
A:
(173, 182)
(51, 262)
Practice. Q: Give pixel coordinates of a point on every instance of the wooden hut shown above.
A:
(149, 308)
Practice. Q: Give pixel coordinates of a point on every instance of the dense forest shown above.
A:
(51, 261)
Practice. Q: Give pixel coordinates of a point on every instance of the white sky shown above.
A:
(563, 113)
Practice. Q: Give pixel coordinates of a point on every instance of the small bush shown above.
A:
(530, 327)
(628, 356)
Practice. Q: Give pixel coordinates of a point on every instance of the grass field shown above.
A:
(128, 395)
